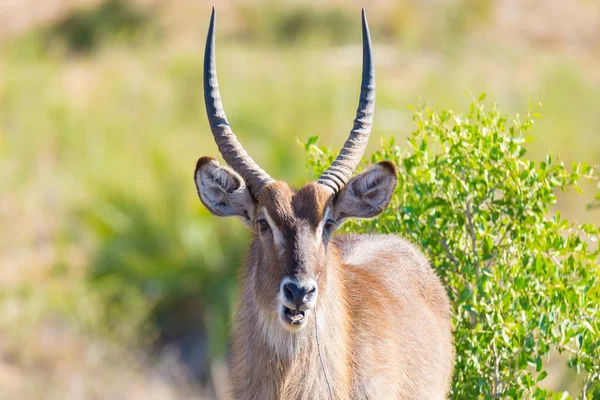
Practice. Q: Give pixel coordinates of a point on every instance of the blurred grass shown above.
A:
(102, 239)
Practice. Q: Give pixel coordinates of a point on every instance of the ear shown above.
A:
(367, 194)
(223, 191)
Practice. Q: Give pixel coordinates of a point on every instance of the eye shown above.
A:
(328, 227)
(263, 225)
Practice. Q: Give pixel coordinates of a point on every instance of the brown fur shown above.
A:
(382, 313)
(384, 320)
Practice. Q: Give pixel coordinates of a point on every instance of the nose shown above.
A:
(299, 295)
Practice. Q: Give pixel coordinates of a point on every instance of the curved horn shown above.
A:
(340, 171)
(230, 148)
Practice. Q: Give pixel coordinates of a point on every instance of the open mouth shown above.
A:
(294, 317)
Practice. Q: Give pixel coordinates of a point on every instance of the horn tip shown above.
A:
(365, 24)
(365, 28)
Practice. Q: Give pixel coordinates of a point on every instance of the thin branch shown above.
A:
(321, 356)
(569, 350)
(555, 261)
(575, 352)
(497, 244)
(471, 230)
(587, 383)
(497, 382)
(451, 256)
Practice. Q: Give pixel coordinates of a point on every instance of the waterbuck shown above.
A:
(322, 316)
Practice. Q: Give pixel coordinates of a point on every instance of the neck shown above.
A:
(276, 363)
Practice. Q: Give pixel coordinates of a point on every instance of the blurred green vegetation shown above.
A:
(282, 25)
(102, 121)
(83, 31)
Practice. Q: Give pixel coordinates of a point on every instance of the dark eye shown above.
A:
(329, 225)
(263, 225)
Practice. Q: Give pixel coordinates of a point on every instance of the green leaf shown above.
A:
(589, 327)
(541, 376)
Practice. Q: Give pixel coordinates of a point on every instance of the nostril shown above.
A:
(310, 292)
(291, 292)
(309, 296)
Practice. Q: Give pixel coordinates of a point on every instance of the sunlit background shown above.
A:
(115, 282)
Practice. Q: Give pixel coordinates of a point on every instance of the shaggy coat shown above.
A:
(383, 315)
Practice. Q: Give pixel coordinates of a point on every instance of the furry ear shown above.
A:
(223, 191)
(367, 194)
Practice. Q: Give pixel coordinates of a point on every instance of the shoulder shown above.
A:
(360, 248)
(397, 264)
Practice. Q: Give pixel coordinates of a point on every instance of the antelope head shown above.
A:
(292, 228)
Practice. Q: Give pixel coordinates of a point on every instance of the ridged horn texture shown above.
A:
(230, 148)
(341, 170)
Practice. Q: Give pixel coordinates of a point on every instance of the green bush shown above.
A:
(524, 282)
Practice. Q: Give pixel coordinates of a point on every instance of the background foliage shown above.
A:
(524, 284)
(115, 282)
